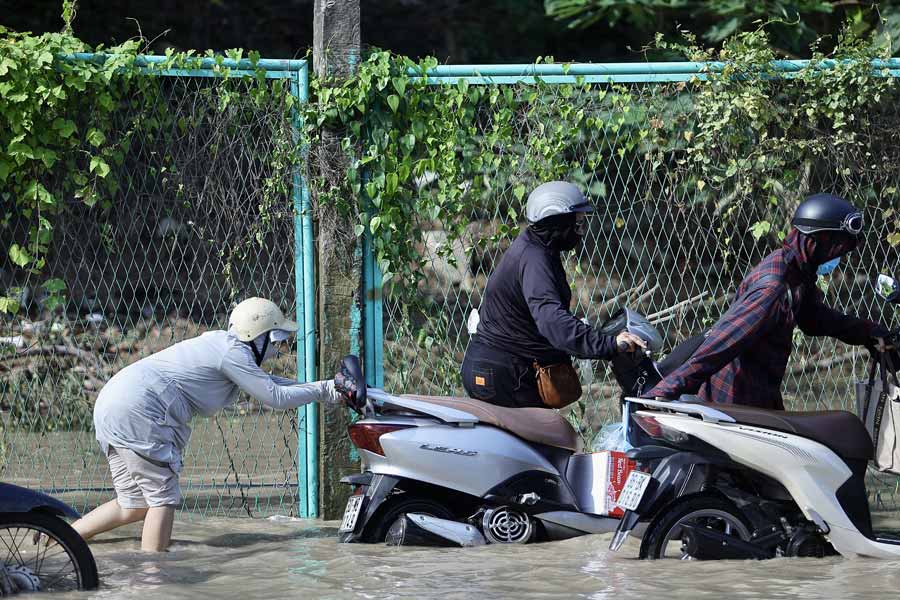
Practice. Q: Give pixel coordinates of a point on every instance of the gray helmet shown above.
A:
(827, 212)
(555, 198)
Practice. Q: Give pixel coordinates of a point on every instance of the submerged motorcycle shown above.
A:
(39, 551)
(457, 471)
(738, 482)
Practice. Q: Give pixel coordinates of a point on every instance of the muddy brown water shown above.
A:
(243, 558)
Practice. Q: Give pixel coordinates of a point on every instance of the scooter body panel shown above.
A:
(472, 460)
(811, 472)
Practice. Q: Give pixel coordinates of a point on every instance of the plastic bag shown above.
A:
(614, 437)
(611, 437)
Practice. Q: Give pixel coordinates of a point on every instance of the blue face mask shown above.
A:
(827, 268)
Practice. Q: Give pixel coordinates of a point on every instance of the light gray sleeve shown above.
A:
(238, 366)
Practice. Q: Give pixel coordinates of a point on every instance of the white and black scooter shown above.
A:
(737, 482)
(457, 471)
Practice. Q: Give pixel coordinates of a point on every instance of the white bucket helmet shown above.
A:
(256, 316)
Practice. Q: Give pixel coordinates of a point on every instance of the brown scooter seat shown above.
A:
(539, 425)
(840, 430)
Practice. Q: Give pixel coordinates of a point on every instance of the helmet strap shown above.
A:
(258, 354)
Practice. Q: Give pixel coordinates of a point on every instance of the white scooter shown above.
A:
(739, 482)
(457, 471)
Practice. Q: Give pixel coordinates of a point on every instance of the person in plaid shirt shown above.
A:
(744, 356)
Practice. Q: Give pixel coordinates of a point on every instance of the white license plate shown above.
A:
(351, 513)
(634, 490)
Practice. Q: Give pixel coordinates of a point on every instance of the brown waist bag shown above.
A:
(558, 384)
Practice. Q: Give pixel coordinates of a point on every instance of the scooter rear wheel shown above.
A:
(376, 531)
(664, 538)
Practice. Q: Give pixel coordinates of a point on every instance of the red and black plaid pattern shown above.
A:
(745, 354)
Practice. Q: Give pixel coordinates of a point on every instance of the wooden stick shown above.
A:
(664, 319)
(607, 306)
(681, 304)
(645, 295)
(55, 350)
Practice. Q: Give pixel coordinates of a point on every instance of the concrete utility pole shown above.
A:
(336, 52)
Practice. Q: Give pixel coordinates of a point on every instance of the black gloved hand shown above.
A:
(346, 387)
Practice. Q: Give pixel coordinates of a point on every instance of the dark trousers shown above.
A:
(499, 378)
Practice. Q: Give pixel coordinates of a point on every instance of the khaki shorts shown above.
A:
(141, 482)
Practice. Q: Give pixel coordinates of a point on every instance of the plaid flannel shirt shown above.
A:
(745, 354)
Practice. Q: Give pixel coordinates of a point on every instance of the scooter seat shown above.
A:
(539, 425)
(840, 430)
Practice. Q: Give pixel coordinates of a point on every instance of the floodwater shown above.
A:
(243, 558)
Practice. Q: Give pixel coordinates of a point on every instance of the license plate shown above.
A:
(351, 513)
(634, 490)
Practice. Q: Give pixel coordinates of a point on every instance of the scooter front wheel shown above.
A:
(41, 552)
(697, 527)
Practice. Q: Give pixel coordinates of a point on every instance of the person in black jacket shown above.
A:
(524, 315)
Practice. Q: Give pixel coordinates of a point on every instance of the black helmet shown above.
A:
(827, 212)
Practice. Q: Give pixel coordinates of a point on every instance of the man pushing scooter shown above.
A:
(142, 414)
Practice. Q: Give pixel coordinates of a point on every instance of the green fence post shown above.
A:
(374, 315)
(309, 330)
(307, 416)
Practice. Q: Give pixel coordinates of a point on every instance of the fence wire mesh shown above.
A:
(197, 216)
(661, 241)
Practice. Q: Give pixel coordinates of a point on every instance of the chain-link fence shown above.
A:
(199, 215)
(662, 241)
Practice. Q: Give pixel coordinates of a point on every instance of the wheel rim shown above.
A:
(35, 558)
(718, 520)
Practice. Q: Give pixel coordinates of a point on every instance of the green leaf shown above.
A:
(399, 84)
(19, 255)
(760, 229)
(5, 65)
(64, 127)
(374, 224)
(4, 170)
(394, 102)
(99, 166)
(54, 286)
(392, 183)
(519, 192)
(48, 157)
(37, 192)
(95, 137)
(9, 305)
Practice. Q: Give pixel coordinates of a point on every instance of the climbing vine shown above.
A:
(743, 131)
(63, 140)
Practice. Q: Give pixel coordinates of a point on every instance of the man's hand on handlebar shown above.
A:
(346, 387)
(628, 342)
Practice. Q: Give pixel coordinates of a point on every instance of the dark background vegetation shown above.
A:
(460, 31)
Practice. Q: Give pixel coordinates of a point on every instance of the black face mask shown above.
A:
(569, 239)
(559, 232)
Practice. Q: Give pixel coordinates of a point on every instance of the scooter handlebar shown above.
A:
(351, 383)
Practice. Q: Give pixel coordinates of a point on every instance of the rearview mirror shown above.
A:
(888, 288)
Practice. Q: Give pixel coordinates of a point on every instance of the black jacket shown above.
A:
(525, 310)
